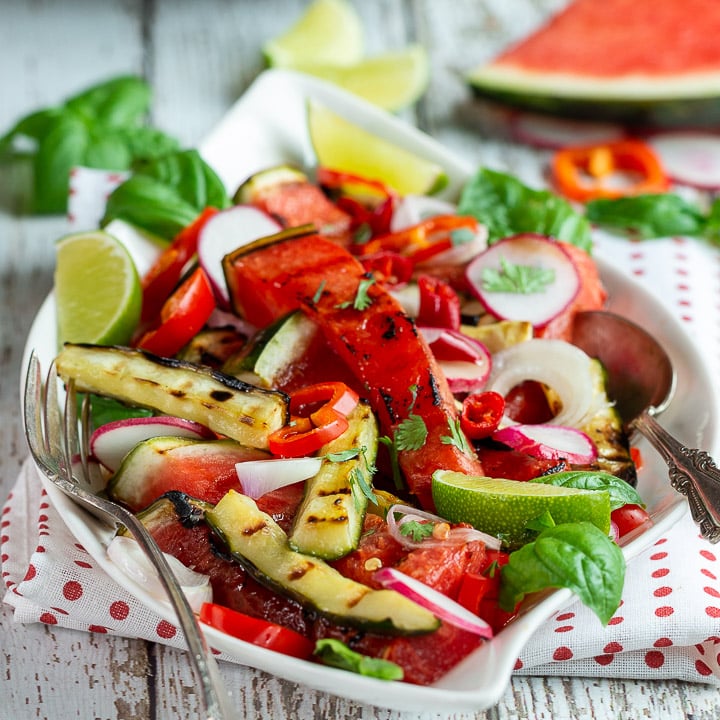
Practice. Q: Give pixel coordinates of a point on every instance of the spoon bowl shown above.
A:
(641, 382)
(640, 373)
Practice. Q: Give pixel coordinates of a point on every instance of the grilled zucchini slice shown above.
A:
(259, 544)
(224, 404)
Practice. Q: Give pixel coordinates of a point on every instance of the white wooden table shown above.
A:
(199, 57)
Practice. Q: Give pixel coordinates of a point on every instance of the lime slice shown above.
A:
(392, 81)
(504, 507)
(329, 32)
(97, 290)
(341, 145)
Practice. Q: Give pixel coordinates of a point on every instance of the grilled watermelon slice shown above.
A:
(639, 62)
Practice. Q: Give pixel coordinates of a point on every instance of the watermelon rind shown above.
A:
(671, 101)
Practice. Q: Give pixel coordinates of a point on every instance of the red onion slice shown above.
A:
(438, 604)
(528, 250)
(259, 477)
(553, 133)
(553, 442)
(413, 209)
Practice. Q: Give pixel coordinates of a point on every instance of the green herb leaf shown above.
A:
(337, 654)
(541, 522)
(318, 293)
(360, 488)
(411, 433)
(621, 493)
(577, 556)
(461, 236)
(362, 299)
(417, 531)
(520, 279)
(389, 443)
(343, 455)
(649, 216)
(119, 102)
(167, 194)
(457, 437)
(507, 207)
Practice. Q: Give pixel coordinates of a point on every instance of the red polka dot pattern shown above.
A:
(166, 630)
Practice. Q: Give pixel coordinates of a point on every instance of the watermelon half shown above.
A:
(639, 62)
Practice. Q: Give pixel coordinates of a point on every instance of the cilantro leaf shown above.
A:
(417, 531)
(457, 437)
(343, 455)
(514, 278)
(411, 433)
(360, 488)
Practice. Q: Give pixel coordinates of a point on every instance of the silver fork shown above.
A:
(54, 439)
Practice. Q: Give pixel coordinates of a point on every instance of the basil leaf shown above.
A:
(649, 216)
(577, 556)
(508, 207)
(149, 204)
(621, 493)
(120, 102)
(335, 653)
(34, 127)
(167, 194)
(147, 143)
(63, 147)
(107, 152)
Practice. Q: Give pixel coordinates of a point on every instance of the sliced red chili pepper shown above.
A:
(389, 267)
(300, 437)
(309, 400)
(422, 241)
(592, 171)
(182, 316)
(257, 631)
(473, 588)
(353, 185)
(439, 304)
(481, 414)
(164, 275)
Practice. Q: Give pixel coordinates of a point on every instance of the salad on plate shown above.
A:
(354, 412)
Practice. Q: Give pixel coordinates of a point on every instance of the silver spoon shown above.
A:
(641, 381)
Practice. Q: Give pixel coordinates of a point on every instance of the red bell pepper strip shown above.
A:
(181, 317)
(422, 241)
(378, 342)
(303, 436)
(389, 267)
(587, 172)
(354, 185)
(164, 275)
(334, 395)
(256, 631)
(439, 304)
(481, 414)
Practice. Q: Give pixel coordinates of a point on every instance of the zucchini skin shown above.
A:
(330, 518)
(258, 543)
(221, 402)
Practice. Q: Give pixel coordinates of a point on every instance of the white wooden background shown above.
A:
(199, 57)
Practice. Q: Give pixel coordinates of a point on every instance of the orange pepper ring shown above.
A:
(571, 166)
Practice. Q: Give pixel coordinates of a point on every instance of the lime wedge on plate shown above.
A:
(346, 147)
(328, 32)
(393, 80)
(504, 507)
(97, 290)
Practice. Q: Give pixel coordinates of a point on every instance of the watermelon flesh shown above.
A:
(635, 61)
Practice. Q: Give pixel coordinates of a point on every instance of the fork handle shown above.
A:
(692, 473)
(214, 695)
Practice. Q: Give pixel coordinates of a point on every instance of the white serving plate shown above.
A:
(267, 126)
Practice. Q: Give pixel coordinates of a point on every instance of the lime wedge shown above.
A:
(393, 80)
(344, 146)
(329, 32)
(504, 507)
(97, 290)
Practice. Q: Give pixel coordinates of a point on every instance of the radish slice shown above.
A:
(552, 133)
(127, 555)
(226, 231)
(111, 442)
(689, 158)
(465, 361)
(259, 477)
(413, 209)
(438, 604)
(553, 442)
(457, 535)
(559, 365)
(533, 254)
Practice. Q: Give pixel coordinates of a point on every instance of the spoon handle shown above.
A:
(692, 473)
